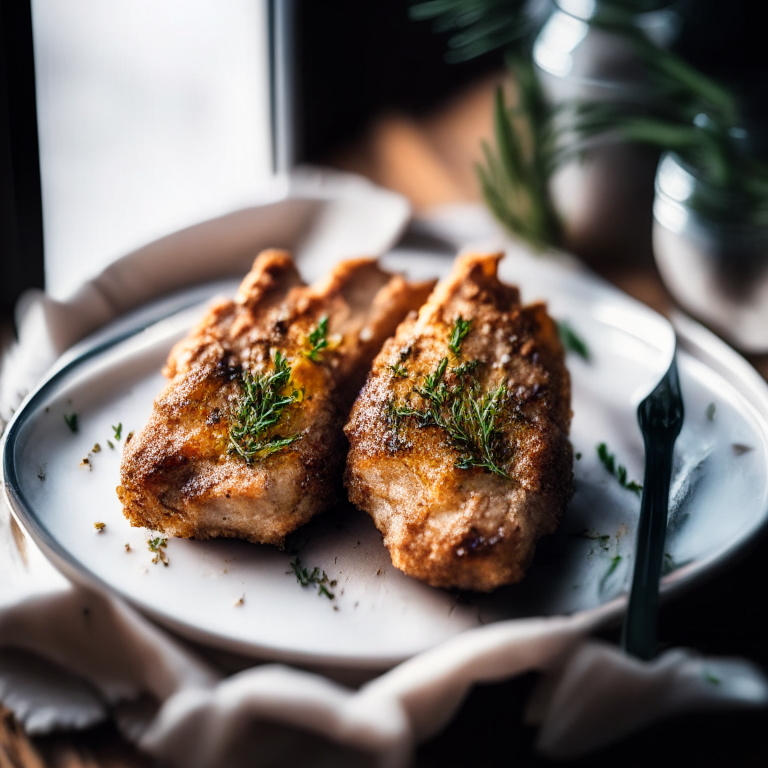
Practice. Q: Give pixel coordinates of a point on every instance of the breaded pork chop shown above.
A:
(246, 438)
(459, 445)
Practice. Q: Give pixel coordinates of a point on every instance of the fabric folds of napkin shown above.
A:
(71, 657)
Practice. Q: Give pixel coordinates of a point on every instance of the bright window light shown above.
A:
(153, 115)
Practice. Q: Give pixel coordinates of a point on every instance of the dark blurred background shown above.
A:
(353, 62)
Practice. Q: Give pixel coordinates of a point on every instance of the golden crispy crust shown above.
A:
(466, 528)
(177, 475)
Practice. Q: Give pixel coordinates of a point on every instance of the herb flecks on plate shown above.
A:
(571, 340)
(118, 430)
(158, 546)
(264, 398)
(602, 539)
(469, 415)
(611, 570)
(617, 470)
(71, 421)
(316, 577)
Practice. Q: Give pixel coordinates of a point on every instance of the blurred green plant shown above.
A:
(683, 111)
(476, 27)
(691, 115)
(516, 173)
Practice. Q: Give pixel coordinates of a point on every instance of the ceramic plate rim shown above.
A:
(692, 337)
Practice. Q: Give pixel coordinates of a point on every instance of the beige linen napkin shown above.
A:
(70, 657)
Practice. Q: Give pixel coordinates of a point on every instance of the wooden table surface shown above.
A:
(431, 161)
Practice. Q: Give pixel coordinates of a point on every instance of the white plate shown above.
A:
(379, 616)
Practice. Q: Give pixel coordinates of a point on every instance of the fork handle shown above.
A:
(639, 632)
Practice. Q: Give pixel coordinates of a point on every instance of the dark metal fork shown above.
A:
(661, 418)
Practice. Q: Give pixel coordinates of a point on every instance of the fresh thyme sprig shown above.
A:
(617, 470)
(264, 399)
(461, 328)
(399, 371)
(317, 341)
(469, 416)
(316, 577)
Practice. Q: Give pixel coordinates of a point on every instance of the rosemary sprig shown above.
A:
(617, 470)
(317, 341)
(476, 26)
(687, 113)
(470, 417)
(515, 175)
(264, 398)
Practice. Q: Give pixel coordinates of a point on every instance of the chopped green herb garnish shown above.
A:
(128, 437)
(461, 328)
(430, 390)
(618, 471)
(578, 456)
(399, 371)
(41, 472)
(264, 399)
(710, 678)
(592, 535)
(316, 577)
(469, 416)
(71, 420)
(158, 546)
(611, 569)
(466, 368)
(96, 448)
(571, 340)
(111, 444)
(317, 340)
(711, 408)
(118, 430)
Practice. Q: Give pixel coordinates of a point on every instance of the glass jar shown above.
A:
(711, 248)
(605, 197)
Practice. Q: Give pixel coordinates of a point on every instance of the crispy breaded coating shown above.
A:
(183, 473)
(459, 445)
